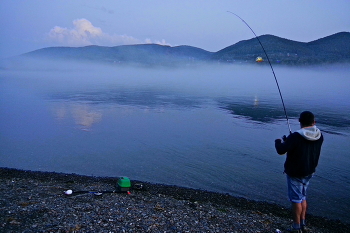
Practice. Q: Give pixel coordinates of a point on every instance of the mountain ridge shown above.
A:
(334, 48)
(329, 49)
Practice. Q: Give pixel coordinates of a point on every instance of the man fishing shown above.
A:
(303, 150)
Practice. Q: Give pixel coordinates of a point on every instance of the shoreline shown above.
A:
(34, 201)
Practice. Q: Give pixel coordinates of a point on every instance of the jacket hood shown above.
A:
(310, 133)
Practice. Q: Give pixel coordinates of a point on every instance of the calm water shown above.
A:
(208, 127)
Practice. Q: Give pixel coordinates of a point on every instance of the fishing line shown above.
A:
(268, 59)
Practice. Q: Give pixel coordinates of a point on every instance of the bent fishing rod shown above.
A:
(268, 59)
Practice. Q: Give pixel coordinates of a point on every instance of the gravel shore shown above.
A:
(35, 202)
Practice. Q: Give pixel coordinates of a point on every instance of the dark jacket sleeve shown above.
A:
(281, 147)
(284, 147)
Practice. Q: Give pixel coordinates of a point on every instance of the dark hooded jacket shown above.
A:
(303, 150)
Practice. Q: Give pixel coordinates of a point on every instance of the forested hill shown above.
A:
(148, 54)
(331, 49)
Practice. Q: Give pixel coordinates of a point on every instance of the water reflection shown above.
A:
(269, 111)
(252, 110)
(146, 98)
(83, 114)
(80, 105)
(59, 111)
(256, 101)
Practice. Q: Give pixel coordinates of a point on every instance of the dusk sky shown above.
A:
(30, 25)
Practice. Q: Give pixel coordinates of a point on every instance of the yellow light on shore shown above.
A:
(259, 59)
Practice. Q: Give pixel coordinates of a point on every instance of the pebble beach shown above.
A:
(33, 201)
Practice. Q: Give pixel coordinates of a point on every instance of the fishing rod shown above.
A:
(268, 59)
(123, 186)
(96, 193)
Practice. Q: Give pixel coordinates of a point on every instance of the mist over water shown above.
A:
(210, 127)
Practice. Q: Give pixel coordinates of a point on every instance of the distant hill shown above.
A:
(331, 49)
(148, 54)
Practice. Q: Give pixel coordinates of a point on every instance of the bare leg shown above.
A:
(297, 209)
(304, 210)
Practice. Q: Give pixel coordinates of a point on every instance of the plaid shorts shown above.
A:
(297, 188)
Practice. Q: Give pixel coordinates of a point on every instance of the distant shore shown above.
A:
(33, 201)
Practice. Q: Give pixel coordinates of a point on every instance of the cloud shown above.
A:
(161, 42)
(84, 33)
